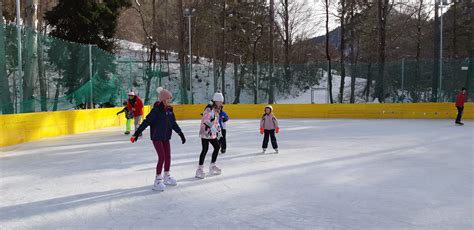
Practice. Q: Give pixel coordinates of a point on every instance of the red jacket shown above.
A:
(137, 104)
(460, 99)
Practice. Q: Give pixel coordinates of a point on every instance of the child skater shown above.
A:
(268, 126)
(128, 116)
(223, 118)
(210, 133)
(161, 120)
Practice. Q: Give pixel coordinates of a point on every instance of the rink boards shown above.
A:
(20, 128)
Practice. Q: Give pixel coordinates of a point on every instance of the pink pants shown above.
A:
(164, 155)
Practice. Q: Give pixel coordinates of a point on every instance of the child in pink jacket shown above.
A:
(268, 127)
(210, 133)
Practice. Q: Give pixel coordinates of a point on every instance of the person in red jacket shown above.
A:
(135, 105)
(460, 99)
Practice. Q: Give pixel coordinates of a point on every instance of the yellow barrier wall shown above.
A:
(19, 128)
(361, 111)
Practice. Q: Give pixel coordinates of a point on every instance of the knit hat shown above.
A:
(163, 94)
(270, 107)
(218, 97)
(131, 93)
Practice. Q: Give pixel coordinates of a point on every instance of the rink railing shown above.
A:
(20, 128)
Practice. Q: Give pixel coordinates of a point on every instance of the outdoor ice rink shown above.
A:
(330, 174)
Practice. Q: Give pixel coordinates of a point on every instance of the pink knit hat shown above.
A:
(163, 94)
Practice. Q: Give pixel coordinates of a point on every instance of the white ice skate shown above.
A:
(263, 151)
(169, 180)
(200, 173)
(214, 170)
(276, 151)
(159, 185)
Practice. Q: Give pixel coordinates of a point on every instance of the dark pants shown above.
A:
(460, 109)
(269, 133)
(205, 148)
(164, 155)
(223, 140)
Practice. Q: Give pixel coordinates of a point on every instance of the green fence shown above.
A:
(62, 75)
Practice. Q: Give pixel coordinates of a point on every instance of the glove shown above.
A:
(183, 139)
(135, 137)
(277, 130)
(118, 114)
(261, 130)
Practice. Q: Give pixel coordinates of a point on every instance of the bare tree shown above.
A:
(342, 48)
(181, 54)
(271, 97)
(31, 62)
(296, 19)
(328, 55)
(382, 14)
(41, 66)
(5, 96)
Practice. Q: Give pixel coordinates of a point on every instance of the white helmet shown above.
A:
(270, 107)
(218, 97)
(131, 93)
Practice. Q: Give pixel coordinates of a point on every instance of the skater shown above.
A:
(162, 121)
(460, 99)
(223, 118)
(135, 105)
(268, 127)
(210, 133)
(128, 116)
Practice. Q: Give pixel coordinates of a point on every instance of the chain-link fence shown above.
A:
(62, 75)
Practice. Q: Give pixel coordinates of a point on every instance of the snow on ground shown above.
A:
(330, 174)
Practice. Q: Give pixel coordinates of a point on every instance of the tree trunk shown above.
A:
(418, 53)
(271, 96)
(182, 64)
(287, 43)
(353, 58)
(56, 94)
(41, 69)
(328, 56)
(369, 82)
(31, 62)
(470, 73)
(434, 80)
(382, 8)
(342, 50)
(223, 57)
(5, 95)
(236, 81)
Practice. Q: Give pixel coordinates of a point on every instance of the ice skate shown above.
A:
(159, 185)
(214, 170)
(200, 173)
(169, 180)
(127, 132)
(276, 151)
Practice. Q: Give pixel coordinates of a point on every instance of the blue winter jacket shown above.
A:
(161, 121)
(222, 119)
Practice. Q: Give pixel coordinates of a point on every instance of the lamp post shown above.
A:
(188, 13)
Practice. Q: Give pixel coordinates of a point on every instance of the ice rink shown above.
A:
(330, 174)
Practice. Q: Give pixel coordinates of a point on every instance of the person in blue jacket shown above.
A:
(223, 118)
(162, 121)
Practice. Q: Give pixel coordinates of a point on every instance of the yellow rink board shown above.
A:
(20, 128)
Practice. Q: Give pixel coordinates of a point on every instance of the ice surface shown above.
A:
(330, 174)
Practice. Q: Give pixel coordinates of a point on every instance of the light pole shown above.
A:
(188, 13)
(442, 4)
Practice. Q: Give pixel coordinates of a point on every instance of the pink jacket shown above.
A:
(210, 128)
(269, 122)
